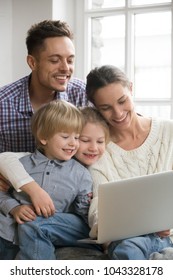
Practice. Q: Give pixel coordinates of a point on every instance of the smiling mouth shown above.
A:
(69, 151)
(90, 156)
(62, 77)
(121, 120)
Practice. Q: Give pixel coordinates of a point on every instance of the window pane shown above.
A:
(95, 4)
(153, 55)
(154, 111)
(108, 47)
(143, 2)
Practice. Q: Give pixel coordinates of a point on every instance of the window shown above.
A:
(136, 36)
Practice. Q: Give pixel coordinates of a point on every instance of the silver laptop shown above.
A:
(135, 206)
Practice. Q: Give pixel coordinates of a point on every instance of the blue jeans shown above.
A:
(8, 250)
(138, 248)
(39, 238)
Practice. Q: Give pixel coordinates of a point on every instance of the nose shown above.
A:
(117, 112)
(64, 65)
(73, 141)
(93, 146)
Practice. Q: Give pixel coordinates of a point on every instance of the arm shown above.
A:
(9, 205)
(12, 169)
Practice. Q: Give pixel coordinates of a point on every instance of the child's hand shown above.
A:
(90, 196)
(4, 184)
(23, 213)
(163, 233)
(41, 200)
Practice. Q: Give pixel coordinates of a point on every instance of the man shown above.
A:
(51, 56)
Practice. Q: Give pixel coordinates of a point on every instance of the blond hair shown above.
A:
(56, 116)
(92, 115)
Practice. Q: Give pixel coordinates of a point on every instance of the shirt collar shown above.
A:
(25, 103)
(39, 158)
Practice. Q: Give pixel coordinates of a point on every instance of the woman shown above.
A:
(139, 145)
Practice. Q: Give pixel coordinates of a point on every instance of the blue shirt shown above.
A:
(67, 183)
(16, 112)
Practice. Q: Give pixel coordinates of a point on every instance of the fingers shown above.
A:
(46, 211)
(90, 196)
(23, 213)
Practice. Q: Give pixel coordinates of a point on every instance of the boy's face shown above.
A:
(92, 143)
(62, 145)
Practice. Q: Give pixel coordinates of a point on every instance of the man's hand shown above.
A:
(23, 213)
(41, 200)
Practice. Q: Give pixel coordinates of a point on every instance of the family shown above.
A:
(59, 139)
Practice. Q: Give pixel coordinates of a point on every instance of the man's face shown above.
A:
(54, 64)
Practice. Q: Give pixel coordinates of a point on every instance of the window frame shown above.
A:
(128, 11)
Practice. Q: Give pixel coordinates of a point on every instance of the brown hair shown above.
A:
(102, 76)
(37, 34)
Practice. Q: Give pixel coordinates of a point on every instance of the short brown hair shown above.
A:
(37, 34)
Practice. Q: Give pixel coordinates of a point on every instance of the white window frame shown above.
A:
(85, 41)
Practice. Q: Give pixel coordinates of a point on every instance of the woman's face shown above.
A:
(115, 104)
(92, 143)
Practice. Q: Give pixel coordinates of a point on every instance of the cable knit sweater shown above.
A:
(154, 155)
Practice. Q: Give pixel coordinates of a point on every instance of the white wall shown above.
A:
(6, 41)
(24, 14)
(16, 17)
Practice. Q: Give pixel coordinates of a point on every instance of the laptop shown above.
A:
(133, 207)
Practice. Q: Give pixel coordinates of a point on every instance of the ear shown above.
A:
(31, 62)
(43, 142)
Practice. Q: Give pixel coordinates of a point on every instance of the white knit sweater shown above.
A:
(154, 155)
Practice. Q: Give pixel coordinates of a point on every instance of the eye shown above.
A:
(70, 61)
(101, 142)
(84, 140)
(105, 108)
(122, 101)
(54, 60)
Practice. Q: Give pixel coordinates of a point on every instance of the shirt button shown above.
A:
(47, 173)
(51, 161)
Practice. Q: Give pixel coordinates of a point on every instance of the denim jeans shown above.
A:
(8, 250)
(38, 239)
(138, 248)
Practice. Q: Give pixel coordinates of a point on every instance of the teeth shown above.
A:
(60, 77)
(91, 156)
(120, 120)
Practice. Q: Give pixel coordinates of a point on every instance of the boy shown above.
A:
(67, 182)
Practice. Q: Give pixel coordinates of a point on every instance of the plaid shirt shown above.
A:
(16, 112)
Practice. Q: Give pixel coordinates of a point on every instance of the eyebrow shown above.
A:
(60, 56)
